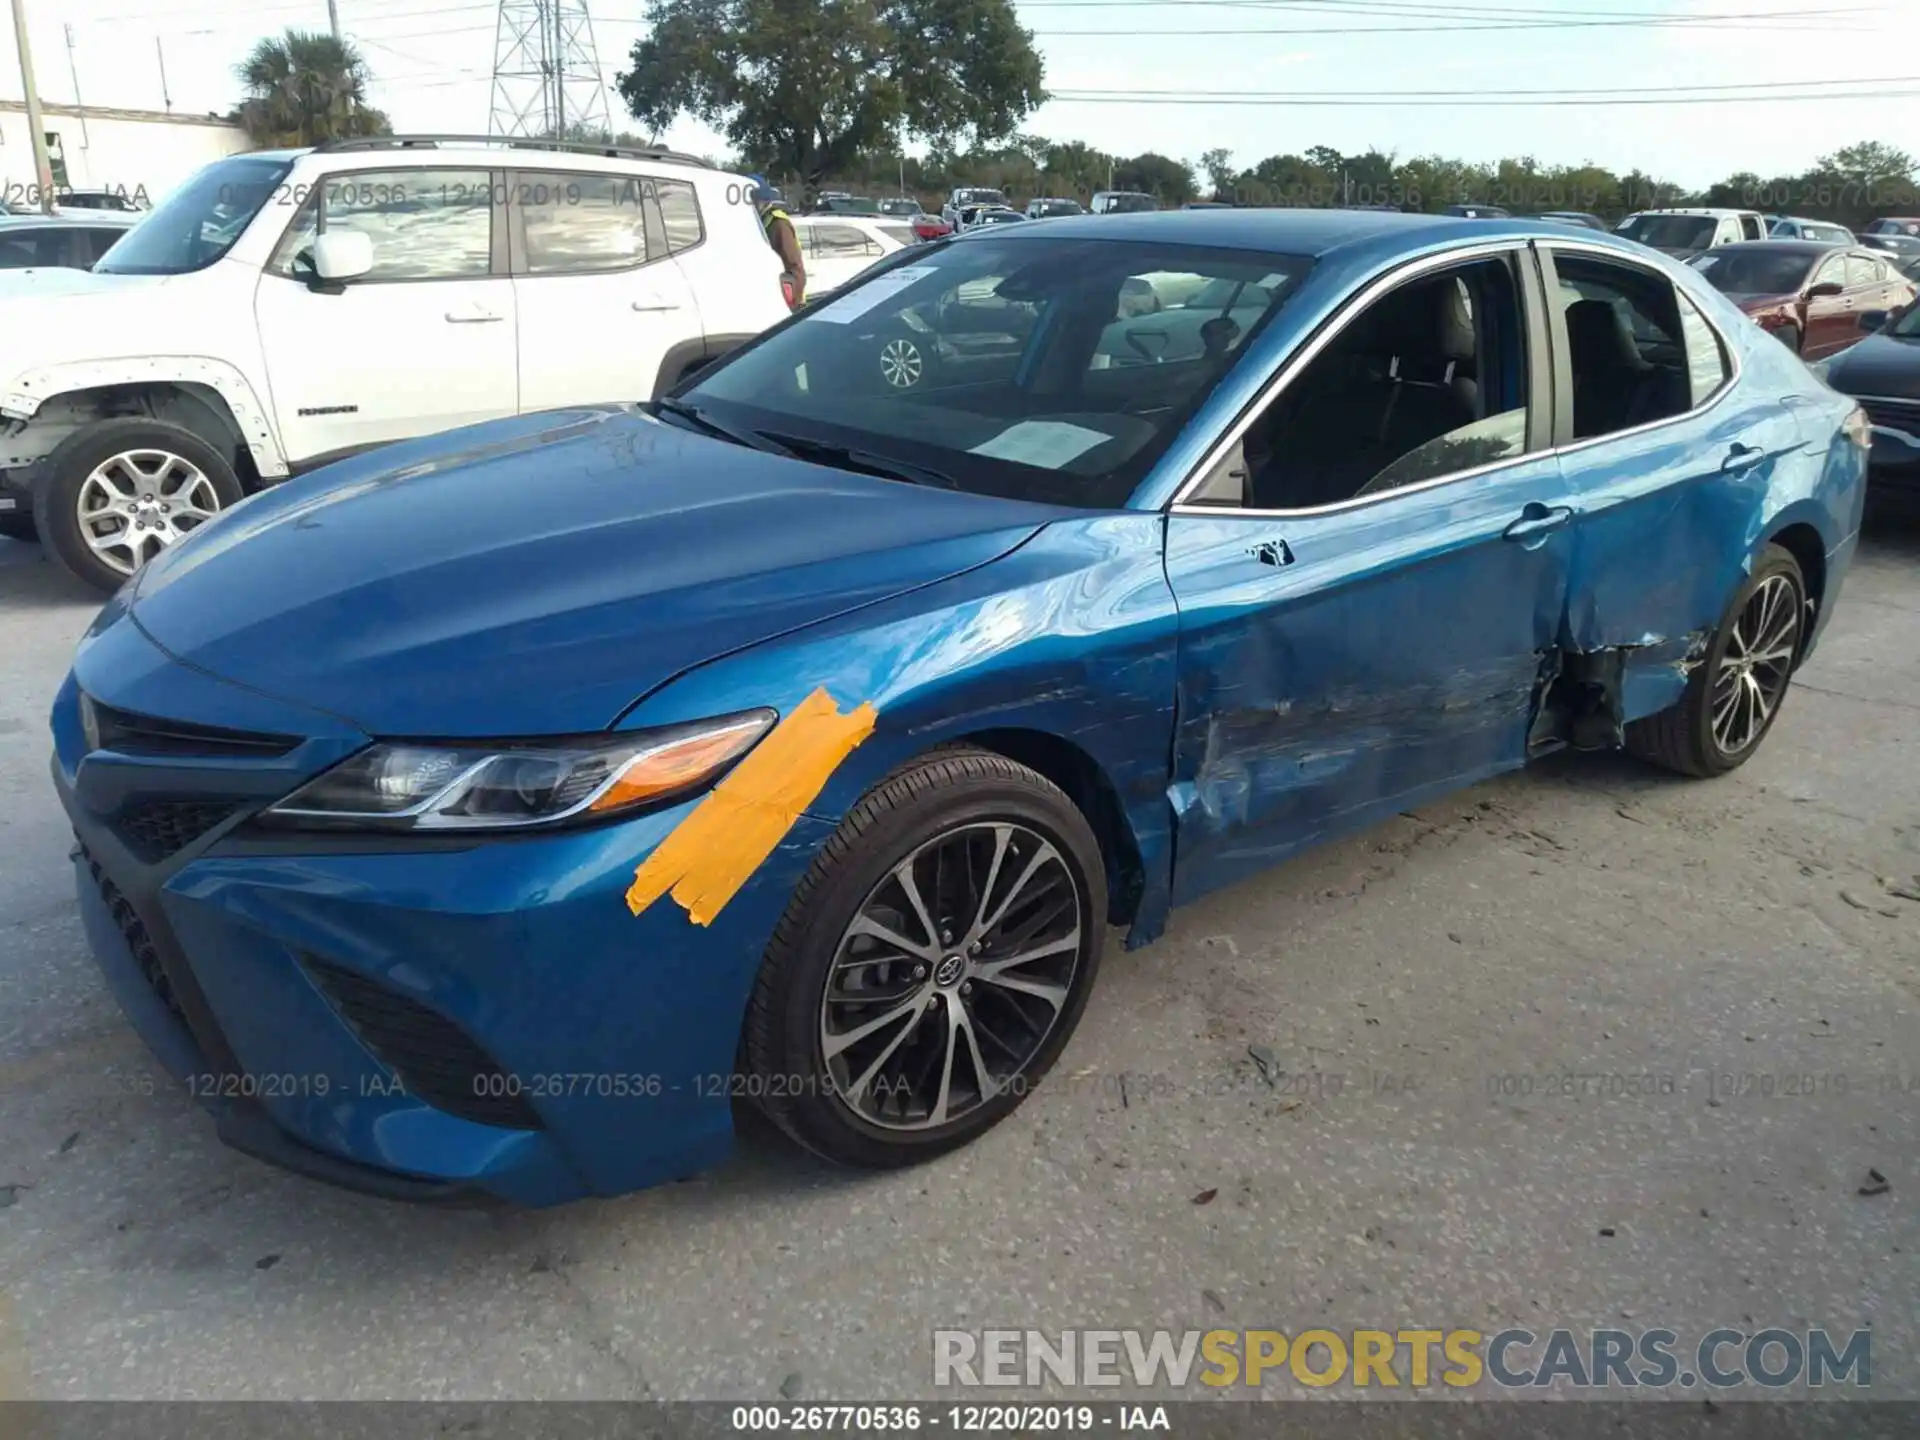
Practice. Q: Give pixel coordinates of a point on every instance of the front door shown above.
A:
(1372, 580)
(424, 342)
(1831, 323)
(601, 298)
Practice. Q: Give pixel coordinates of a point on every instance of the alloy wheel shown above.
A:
(951, 976)
(900, 364)
(1756, 664)
(138, 502)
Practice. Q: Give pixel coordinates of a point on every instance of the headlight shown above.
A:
(405, 786)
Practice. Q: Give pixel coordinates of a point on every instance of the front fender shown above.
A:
(1073, 636)
(22, 395)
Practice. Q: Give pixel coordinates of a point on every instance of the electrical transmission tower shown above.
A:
(546, 73)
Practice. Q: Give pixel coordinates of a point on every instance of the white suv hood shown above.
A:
(53, 316)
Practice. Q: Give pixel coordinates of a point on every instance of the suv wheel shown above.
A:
(117, 493)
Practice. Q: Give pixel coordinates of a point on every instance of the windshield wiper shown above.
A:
(701, 420)
(865, 462)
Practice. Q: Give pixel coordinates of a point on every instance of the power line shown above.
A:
(1811, 21)
(1386, 96)
(1489, 102)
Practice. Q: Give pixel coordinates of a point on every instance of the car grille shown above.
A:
(1894, 414)
(435, 1060)
(131, 734)
(138, 940)
(155, 829)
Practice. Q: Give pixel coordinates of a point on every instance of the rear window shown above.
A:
(899, 234)
(1670, 232)
(1755, 272)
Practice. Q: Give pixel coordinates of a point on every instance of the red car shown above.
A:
(1807, 294)
(930, 227)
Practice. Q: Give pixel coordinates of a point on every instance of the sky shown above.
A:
(432, 64)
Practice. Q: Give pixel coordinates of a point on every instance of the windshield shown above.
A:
(1670, 232)
(199, 222)
(1756, 272)
(1907, 326)
(1893, 227)
(1056, 370)
(981, 197)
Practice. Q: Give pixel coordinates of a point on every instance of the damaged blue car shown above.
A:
(489, 815)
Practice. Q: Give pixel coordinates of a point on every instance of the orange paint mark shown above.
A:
(714, 851)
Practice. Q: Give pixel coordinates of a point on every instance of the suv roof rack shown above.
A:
(512, 142)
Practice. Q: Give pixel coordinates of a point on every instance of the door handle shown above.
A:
(1538, 521)
(648, 306)
(475, 316)
(1272, 552)
(1741, 456)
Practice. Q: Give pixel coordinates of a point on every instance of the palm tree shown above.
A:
(304, 88)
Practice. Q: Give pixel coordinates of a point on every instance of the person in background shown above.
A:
(786, 244)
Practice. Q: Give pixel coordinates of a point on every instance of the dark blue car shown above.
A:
(486, 816)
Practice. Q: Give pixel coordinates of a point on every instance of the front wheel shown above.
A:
(905, 361)
(931, 966)
(118, 492)
(1734, 695)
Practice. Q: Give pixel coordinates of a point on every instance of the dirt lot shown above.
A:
(1415, 1161)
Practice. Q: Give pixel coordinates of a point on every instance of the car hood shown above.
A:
(1879, 365)
(539, 575)
(117, 316)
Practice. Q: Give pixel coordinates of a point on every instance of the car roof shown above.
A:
(1312, 233)
(92, 220)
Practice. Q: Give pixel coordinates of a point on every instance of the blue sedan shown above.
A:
(486, 816)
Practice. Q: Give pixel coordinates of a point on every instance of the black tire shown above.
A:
(782, 1054)
(1682, 736)
(18, 525)
(57, 494)
(1789, 336)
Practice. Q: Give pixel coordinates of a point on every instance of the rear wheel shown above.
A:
(904, 361)
(1734, 695)
(931, 966)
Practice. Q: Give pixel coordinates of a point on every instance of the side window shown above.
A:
(1707, 365)
(577, 224)
(839, 242)
(1428, 381)
(1627, 346)
(18, 252)
(680, 209)
(1861, 272)
(424, 224)
(1750, 225)
(1832, 271)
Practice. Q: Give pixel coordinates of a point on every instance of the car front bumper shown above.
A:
(471, 1022)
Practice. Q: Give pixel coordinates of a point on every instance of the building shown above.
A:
(140, 153)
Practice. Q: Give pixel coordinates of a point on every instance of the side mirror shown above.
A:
(1826, 290)
(1871, 320)
(340, 255)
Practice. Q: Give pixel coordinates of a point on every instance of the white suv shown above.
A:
(286, 308)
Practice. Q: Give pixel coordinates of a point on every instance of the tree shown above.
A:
(1163, 178)
(803, 86)
(304, 88)
(1217, 165)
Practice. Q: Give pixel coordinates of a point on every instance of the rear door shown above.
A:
(601, 297)
(423, 342)
(1668, 461)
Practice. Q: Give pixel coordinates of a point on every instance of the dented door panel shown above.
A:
(1670, 519)
(1401, 651)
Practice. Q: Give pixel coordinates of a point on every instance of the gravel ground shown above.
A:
(1411, 985)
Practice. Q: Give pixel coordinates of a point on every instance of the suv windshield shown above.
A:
(199, 222)
(1670, 232)
(1907, 327)
(979, 197)
(1760, 271)
(1040, 368)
